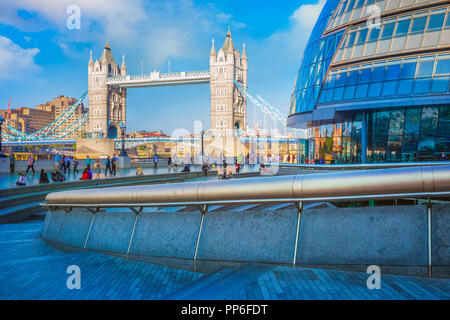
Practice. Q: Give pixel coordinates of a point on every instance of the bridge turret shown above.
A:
(228, 108)
(107, 103)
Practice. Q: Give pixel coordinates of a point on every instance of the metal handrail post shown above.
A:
(299, 206)
(429, 240)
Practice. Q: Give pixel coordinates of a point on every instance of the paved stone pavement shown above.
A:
(31, 269)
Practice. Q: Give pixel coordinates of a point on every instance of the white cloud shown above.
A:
(150, 30)
(280, 54)
(302, 21)
(16, 62)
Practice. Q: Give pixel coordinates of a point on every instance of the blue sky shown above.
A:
(41, 58)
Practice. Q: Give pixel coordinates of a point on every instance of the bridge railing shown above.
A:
(156, 76)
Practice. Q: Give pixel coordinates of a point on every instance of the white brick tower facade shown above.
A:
(228, 106)
(107, 104)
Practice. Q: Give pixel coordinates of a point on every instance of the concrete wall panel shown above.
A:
(76, 228)
(168, 234)
(52, 225)
(381, 235)
(111, 231)
(441, 235)
(254, 235)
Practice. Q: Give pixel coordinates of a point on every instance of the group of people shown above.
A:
(63, 165)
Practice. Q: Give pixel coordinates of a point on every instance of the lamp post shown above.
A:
(203, 152)
(1, 123)
(123, 152)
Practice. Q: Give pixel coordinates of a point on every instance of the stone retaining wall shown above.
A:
(394, 238)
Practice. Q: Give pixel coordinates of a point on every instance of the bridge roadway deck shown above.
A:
(32, 269)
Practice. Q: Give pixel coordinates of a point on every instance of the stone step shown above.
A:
(221, 283)
(19, 212)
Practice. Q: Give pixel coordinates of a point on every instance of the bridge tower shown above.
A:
(107, 104)
(228, 106)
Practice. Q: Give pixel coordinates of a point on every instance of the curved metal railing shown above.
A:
(416, 182)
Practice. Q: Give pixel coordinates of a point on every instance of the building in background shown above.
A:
(376, 89)
(30, 120)
(148, 150)
(61, 105)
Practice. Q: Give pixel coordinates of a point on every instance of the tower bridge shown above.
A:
(108, 85)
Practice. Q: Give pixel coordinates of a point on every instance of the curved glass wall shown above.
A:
(404, 134)
(354, 10)
(396, 76)
(418, 76)
(315, 62)
(403, 34)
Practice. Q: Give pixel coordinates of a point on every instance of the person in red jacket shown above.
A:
(86, 175)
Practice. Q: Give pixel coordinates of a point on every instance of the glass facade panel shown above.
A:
(408, 69)
(429, 121)
(375, 89)
(443, 64)
(422, 86)
(418, 24)
(402, 27)
(426, 67)
(361, 91)
(388, 30)
(405, 87)
(374, 34)
(440, 85)
(436, 21)
(389, 88)
(443, 130)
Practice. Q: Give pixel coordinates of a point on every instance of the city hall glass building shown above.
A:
(376, 90)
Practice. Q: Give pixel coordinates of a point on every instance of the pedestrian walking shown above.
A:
(108, 166)
(75, 165)
(12, 162)
(97, 169)
(114, 166)
(155, 162)
(62, 164)
(88, 162)
(30, 164)
(57, 158)
(68, 162)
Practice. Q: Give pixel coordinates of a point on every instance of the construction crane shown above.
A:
(5, 111)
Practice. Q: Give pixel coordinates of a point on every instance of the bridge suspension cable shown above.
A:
(267, 109)
(48, 131)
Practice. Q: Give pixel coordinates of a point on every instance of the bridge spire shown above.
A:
(91, 62)
(244, 54)
(213, 49)
(228, 46)
(123, 68)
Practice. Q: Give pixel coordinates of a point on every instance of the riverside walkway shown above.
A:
(32, 269)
